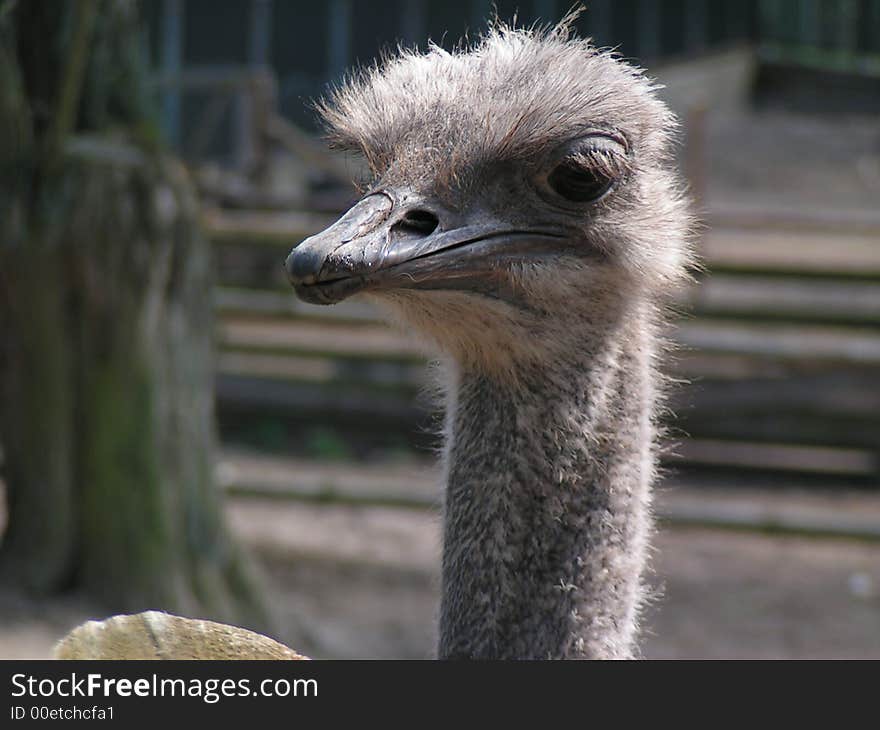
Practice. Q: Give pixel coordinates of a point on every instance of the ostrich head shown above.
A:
(521, 191)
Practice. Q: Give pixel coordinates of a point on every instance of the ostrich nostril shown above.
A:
(417, 223)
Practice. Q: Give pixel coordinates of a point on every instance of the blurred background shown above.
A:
(163, 160)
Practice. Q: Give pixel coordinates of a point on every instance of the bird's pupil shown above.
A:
(578, 184)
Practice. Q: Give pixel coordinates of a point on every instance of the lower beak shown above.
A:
(377, 245)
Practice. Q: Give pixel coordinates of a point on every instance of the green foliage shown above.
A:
(326, 444)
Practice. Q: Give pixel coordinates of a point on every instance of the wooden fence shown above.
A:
(835, 35)
(780, 351)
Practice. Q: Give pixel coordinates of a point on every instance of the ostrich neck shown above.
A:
(547, 504)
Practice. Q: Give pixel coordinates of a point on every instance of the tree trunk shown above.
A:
(106, 413)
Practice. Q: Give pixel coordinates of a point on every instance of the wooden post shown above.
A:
(413, 22)
(339, 38)
(545, 11)
(480, 11)
(171, 63)
(695, 153)
(695, 25)
(649, 29)
(259, 42)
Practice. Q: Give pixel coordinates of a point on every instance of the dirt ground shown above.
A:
(354, 582)
(719, 594)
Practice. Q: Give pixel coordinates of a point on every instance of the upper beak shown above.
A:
(382, 244)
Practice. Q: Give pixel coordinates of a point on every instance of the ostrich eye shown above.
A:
(585, 170)
(579, 184)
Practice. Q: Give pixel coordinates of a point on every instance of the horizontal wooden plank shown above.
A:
(754, 297)
(699, 365)
(697, 511)
(736, 449)
(773, 340)
(785, 341)
(843, 392)
(327, 397)
(843, 514)
(808, 252)
(353, 407)
(785, 298)
(274, 228)
(847, 395)
(416, 485)
(392, 375)
(779, 457)
(837, 221)
(310, 401)
(761, 296)
(364, 340)
(231, 301)
(773, 424)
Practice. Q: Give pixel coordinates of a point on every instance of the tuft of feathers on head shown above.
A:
(510, 94)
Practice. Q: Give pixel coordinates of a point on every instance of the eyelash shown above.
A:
(586, 175)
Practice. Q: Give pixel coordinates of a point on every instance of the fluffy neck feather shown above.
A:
(547, 501)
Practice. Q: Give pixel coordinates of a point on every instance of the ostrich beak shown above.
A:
(380, 244)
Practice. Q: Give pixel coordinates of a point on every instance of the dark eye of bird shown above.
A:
(578, 184)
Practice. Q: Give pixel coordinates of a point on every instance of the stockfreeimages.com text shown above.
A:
(210, 690)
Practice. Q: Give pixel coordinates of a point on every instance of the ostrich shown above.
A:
(523, 218)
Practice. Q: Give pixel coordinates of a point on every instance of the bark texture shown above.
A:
(106, 397)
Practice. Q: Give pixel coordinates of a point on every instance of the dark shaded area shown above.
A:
(816, 91)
